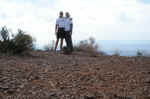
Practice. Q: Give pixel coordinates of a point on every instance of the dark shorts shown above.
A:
(61, 33)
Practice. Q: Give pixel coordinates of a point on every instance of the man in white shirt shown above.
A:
(68, 32)
(60, 30)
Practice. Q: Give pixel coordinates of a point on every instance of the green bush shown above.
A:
(22, 42)
(18, 44)
(139, 53)
(4, 34)
(5, 43)
(89, 46)
(117, 52)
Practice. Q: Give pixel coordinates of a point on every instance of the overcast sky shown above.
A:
(102, 19)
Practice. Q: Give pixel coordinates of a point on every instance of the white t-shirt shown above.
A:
(68, 23)
(60, 22)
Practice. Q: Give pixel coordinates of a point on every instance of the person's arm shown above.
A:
(71, 25)
(56, 28)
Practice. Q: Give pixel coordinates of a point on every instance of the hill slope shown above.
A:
(49, 75)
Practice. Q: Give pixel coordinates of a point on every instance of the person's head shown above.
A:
(67, 14)
(61, 14)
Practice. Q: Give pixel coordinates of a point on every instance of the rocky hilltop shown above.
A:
(50, 75)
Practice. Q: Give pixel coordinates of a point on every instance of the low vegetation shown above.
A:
(139, 53)
(117, 52)
(90, 46)
(50, 46)
(15, 44)
(142, 53)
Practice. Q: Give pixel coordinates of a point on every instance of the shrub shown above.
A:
(117, 52)
(139, 53)
(17, 44)
(88, 46)
(22, 42)
(4, 34)
(5, 43)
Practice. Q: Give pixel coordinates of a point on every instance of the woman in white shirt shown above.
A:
(60, 30)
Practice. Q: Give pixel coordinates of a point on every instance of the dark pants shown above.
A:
(68, 40)
(61, 33)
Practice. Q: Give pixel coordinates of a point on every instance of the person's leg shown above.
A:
(68, 41)
(61, 44)
(57, 41)
(71, 43)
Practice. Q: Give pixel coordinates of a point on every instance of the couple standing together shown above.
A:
(63, 30)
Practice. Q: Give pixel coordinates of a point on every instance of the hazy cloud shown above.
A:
(102, 19)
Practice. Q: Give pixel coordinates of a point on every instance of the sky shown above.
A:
(101, 19)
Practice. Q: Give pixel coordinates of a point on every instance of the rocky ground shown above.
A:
(49, 75)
